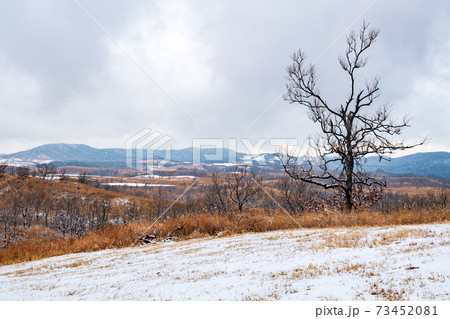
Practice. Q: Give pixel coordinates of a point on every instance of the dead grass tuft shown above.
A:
(387, 292)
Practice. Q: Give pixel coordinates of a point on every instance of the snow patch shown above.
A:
(138, 185)
(403, 262)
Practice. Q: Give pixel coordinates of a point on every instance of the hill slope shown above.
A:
(345, 264)
(69, 152)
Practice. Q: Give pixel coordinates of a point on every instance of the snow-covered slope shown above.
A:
(404, 262)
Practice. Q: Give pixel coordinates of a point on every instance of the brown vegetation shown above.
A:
(41, 218)
(40, 242)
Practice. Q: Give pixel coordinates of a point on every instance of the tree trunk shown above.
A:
(349, 166)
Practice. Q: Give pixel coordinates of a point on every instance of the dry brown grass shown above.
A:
(414, 190)
(387, 292)
(41, 242)
(357, 238)
(57, 189)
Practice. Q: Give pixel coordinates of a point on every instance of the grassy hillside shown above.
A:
(42, 218)
(58, 189)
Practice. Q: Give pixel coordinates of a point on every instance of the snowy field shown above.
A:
(403, 262)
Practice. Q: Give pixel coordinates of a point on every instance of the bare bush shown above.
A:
(131, 212)
(46, 171)
(62, 175)
(70, 217)
(84, 178)
(9, 229)
(3, 169)
(98, 212)
(68, 223)
(23, 172)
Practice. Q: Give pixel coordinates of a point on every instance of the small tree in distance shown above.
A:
(243, 186)
(350, 131)
(240, 188)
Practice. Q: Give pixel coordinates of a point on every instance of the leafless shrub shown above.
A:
(62, 175)
(3, 169)
(68, 223)
(84, 178)
(46, 171)
(394, 202)
(131, 212)
(23, 172)
(9, 229)
(98, 212)
(70, 216)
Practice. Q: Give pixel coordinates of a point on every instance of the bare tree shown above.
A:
(161, 200)
(243, 187)
(294, 194)
(239, 188)
(84, 178)
(217, 196)
(351, 130)
(62, 175)
(69, 216)
(14, 216)
(68, 223)
(131, 212)
(98, 212)
(23, 172)
(46, 171)
(41, 204)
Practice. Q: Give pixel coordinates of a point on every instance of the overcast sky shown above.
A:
(63, 79)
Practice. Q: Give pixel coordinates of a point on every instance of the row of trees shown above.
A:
(21, 171)
(70, 214)
(44, 171)
(26, 203)
(242, 189)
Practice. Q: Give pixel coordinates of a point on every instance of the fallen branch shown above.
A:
(174, 231)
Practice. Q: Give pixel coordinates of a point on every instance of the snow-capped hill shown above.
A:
(259, 159)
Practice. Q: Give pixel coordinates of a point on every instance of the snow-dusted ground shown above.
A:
(403, 262)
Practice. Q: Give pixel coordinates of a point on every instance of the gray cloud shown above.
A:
(63, 80)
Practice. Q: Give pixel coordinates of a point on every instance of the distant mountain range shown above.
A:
(419, 164)
(85, 154)
(68, 152)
